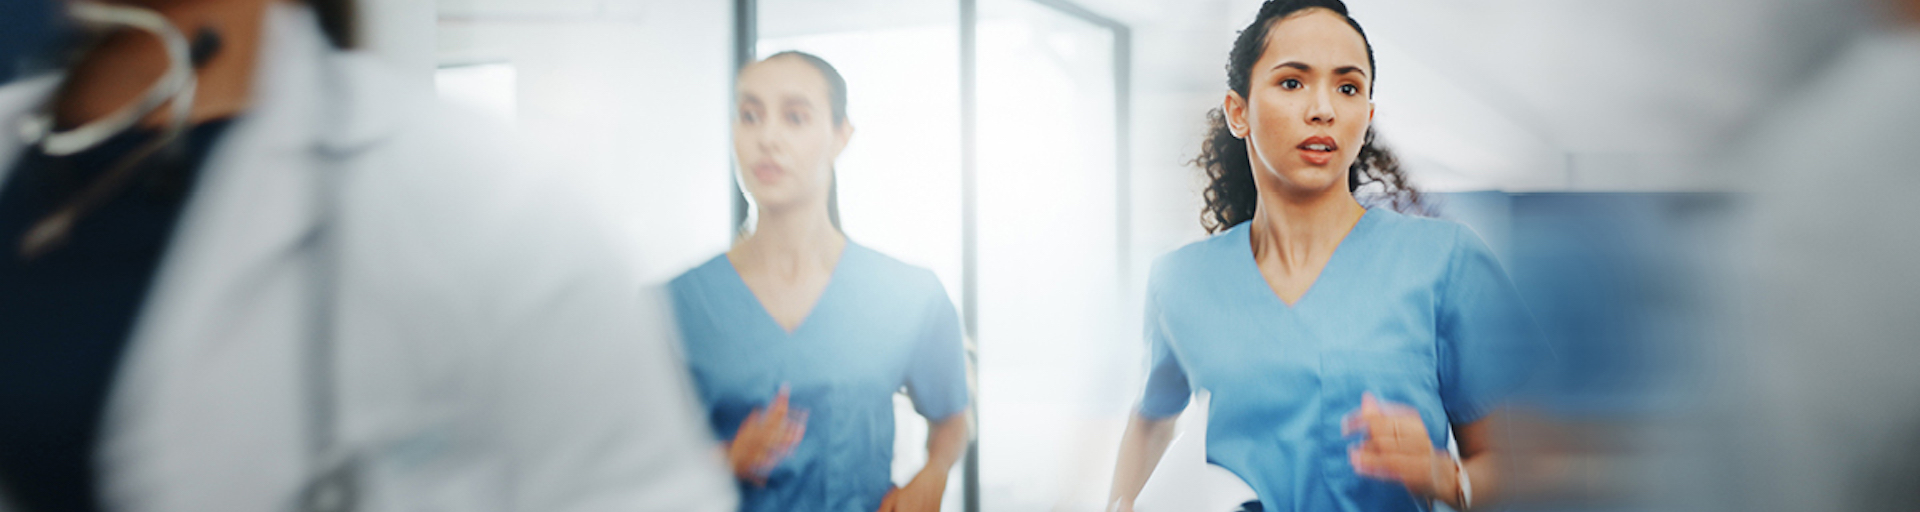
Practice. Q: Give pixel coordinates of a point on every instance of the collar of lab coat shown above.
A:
(209, 394)
(313, 111)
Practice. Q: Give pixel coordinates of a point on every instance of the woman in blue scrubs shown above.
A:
(798, 337)
(1340, 344)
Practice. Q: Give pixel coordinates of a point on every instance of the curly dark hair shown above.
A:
(1230, 195)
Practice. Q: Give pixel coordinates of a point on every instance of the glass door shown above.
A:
(1050, 293)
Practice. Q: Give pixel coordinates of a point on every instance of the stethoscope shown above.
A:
(175, 88)
(332, 481)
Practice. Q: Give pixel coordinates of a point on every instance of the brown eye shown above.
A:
(1349, 90)
(1290, 84)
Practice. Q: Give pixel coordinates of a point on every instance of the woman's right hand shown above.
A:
(765, 438)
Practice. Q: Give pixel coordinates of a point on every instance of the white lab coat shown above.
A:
(492, 351)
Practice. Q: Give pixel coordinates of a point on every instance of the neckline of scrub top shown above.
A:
(833, 278)
(1244, 244)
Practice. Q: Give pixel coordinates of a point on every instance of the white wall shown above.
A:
(638, 90)
(401, 32)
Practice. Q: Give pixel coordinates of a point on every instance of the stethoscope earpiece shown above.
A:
(206, 44)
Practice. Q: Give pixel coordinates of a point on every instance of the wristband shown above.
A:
(1466, 486)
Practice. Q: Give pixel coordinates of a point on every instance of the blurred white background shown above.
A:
(1476, 95)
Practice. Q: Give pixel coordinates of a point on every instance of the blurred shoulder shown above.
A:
(1403, 228)
(1200, 259)
(891, 276)
(700, 278)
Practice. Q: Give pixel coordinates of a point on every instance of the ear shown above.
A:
(1371, 107)
(842, 135)
(1236, 109)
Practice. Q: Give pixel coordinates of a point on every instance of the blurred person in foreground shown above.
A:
(799, 337)
(243, 268)
(1823, 411)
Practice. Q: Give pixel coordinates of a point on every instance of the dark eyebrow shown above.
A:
(1342, 70)
(796, 101)
(1293, 64)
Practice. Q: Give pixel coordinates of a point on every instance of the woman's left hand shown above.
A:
(921, 495)
(1397, 448)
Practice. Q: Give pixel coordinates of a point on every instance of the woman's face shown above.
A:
(784, 136)
(1306, 112)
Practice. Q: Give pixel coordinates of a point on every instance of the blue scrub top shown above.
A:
(1414, 310)
(879, 325)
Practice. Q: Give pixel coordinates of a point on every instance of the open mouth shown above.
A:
(1319, 144)
(767, 171)
(1318, 150)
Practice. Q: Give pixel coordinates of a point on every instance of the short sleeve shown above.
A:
(937, 375)
(1167, 391)
(1489, 344)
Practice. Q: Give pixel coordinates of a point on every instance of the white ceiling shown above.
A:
(1514, 94)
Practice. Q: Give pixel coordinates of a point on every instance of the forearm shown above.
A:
(1141, 447)
(1482, 459)
(1483, 471)
(946, 441)
(734, 464)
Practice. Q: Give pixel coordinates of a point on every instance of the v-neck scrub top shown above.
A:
(879, 325)
(1413, 310)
